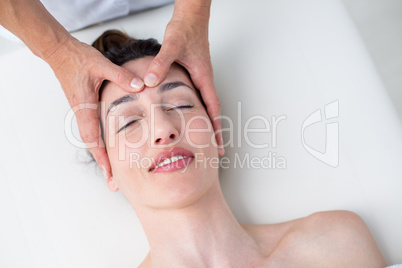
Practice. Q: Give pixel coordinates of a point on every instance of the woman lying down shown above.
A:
(179, 204)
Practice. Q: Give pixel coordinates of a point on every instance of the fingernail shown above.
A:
(136, 83)
(150, 80)
(221, 138)
(221, 146)
(104, 172)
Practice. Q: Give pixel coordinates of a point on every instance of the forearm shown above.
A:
(34, 25)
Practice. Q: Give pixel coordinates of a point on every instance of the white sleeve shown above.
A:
(139, 5)
(78, 14)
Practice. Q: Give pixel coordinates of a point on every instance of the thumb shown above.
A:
(159, 67)
(122, 78)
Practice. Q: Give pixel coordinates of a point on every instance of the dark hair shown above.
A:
(120, 48)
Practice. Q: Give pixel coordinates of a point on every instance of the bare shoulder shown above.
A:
(323, 239)
(333, 238)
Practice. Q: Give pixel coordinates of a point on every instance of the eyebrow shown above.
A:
(134, 96)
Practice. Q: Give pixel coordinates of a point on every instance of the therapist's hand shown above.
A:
(81, 69)
(186, 42)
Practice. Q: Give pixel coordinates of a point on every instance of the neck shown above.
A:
(204, 233)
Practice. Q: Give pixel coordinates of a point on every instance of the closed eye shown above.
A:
(127, 125)
(181, 107)
(174, 108)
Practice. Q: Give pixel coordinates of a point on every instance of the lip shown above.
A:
(168, 154)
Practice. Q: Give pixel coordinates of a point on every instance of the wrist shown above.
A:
(197, 11)
(54, 45)
(60, 52)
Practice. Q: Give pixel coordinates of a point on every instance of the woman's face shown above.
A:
(142, 130)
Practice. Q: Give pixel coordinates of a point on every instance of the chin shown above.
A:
(181, 190)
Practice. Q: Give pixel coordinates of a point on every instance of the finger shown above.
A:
(211, 100)
(217, 124)
(90, 131)
(100, 155)
(160, 66)
(214, 114)
(122, 78)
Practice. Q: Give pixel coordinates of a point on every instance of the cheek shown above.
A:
(128, 170)
(135, 137)
(127, 161)
(124, 152)
(127, 145)
(199, 131)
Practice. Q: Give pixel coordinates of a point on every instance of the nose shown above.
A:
(165, 129)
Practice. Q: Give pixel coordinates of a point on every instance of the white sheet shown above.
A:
(278, 58)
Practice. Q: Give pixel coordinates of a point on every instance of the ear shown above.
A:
(112, 185)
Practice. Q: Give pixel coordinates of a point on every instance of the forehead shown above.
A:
(112, 93)
(139, 68)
